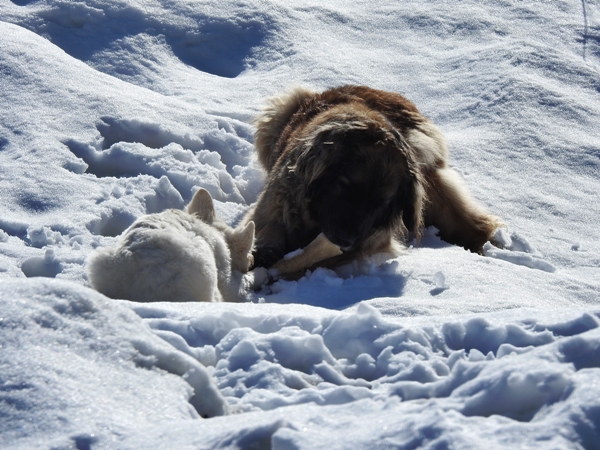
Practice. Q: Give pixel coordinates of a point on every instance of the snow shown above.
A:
(115, 109)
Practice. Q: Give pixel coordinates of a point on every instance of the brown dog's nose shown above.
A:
(343, 240)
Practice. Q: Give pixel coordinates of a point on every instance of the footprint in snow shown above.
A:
(516, 250)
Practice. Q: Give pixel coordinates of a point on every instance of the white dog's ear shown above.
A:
(202, 206)
(244, 238)
(240, 243)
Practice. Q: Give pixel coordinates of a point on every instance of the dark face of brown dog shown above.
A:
(365, 186)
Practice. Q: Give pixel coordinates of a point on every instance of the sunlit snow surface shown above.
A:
(114, 109)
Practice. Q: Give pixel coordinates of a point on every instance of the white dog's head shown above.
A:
(240, 240)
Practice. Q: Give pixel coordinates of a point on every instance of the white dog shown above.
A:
(177, 256)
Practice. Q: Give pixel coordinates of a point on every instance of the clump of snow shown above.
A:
(165, 197)
(439, 279)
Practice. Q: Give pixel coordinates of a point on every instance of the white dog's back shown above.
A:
(175, 256)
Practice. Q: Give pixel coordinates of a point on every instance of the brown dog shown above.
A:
(361, 166)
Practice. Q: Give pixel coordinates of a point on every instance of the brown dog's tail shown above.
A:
(412, 195)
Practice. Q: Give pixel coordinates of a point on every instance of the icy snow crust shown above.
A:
(115, 109)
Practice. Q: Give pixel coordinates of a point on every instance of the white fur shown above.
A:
(177, 256)
(429, 145)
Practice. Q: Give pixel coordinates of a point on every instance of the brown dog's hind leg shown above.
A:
(455, 214)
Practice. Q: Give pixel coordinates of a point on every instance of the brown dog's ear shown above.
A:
(412, 192)
(412, 200)
(202, 206)
(313, 160)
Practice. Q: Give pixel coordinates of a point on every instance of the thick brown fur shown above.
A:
(362, 166)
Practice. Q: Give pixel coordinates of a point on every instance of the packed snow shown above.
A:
(116, 109)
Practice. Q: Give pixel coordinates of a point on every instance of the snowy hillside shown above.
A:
(114, 109)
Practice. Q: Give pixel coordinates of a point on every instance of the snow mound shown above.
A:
(522, 374)
(75, 364)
